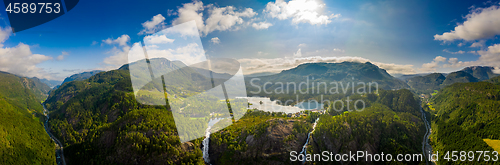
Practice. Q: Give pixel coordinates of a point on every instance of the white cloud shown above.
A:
(122, 40)
(20, 60)
(496, 70)
(189, 54)
(481, 23)
(219, 18)
(325, 52)
(338, 50)
(189, 12)
(157, 39)
(119, 54)
(440, 59)
(257, 65)
(224, 18)
(301, 11)
(478, 44)
(261, 25)
(61, 57)
(298, 54)
(184, 29)
(429, 67)
(457, 52)
(215, 40)
(453, 61)
(489, 57)
(151, 26)
(4, 34)
(302, 45)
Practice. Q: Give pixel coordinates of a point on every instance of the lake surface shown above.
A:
(271, 106)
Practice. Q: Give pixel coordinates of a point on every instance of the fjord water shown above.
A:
(265, 104)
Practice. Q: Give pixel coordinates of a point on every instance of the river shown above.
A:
(59, 152)
(426, 147)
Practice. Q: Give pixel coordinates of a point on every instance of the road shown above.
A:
(60, 152)
(426, 147)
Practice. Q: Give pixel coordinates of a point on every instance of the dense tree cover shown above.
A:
(22, 136)
(391, 124)
(259, 137)
(426, 84)
(40, 89)
(459, 77)
(481, 72)
(18, 92)
(463, 114)
(100, 122)
(436, 81)
(80, 76)
(433, 82)
(495, 80)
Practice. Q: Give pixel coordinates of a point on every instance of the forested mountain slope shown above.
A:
(326, 72)
(463, 114)
(100, 122)
(391, 123)
(23, 139)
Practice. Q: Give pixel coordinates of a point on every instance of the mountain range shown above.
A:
(81, 76)
(433, 82)
(99, 120)
(326, 72)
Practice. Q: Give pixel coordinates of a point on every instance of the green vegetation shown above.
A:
(391, 124)
(495, 80)
(459, 77)
(481, 72)
(464, 115)
(99, 121)
(431, 83)
(81, 76)
(22, 136)
(259, 137)
(426, 84)
(40, 89)
(312, 73)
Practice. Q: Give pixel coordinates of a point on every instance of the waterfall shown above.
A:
(206, 141)
(304, 148)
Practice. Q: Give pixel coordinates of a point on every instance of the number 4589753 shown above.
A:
(471, 156)
(33, 8)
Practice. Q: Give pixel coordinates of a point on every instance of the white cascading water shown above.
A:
(206, 141)
(304, 148)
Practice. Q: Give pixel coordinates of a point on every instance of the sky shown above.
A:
(402, 37)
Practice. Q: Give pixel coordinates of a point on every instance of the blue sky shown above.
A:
(403, 37)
